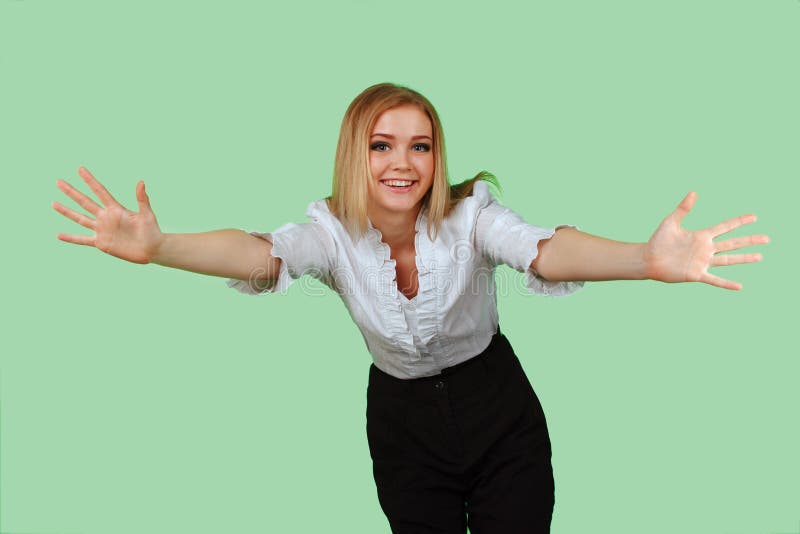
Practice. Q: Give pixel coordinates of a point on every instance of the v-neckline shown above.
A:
(411, 300)
(417, 229)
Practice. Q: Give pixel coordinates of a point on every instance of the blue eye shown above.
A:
(383, 147)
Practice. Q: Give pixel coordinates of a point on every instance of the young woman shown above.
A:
(456, 433)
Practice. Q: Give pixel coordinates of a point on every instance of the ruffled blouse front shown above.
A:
(454, 314)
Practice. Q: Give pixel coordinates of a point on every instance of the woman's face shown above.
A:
(400, 159)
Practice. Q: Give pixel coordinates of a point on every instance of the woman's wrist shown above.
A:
(159, 254)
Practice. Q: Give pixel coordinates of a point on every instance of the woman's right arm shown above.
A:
(227, 253)
(136, 237)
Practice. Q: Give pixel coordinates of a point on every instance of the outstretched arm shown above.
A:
(136, 237)
(671, 255)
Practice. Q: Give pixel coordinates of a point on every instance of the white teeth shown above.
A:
(398, 183)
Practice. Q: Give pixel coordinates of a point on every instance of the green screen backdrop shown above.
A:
(139, 399)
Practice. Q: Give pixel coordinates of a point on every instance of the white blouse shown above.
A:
(454, 314)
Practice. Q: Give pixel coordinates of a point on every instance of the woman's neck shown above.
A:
(396, 228)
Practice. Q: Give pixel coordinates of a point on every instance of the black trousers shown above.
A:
(468, 447)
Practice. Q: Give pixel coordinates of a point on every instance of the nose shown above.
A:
(400, 160)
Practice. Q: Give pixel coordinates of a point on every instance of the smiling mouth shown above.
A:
(401, 185)
(397, 182)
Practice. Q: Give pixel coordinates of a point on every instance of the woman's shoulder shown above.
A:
(320, 214)
(481, 194)
(319, 211)
(480, 197)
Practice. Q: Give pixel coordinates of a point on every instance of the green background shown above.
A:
(138, 399)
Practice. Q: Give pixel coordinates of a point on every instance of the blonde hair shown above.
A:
(351, 172)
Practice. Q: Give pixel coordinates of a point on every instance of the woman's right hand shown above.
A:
(128, 235)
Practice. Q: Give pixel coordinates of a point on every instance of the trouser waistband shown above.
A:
(459, 379)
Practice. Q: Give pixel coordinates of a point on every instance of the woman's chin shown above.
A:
(399, 200)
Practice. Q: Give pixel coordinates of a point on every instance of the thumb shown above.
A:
(142, 198)
(684, 207)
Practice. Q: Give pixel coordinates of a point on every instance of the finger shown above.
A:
(77, 239)
(79, 218)
(684, 207)
(731, 224)
(142, 198)
(733, 259)
(740, 242)
(83, 201)
(720, 282)
(101, 192)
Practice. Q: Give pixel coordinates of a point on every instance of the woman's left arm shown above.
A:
(671, 255)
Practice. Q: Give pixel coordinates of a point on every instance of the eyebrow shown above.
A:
(392, 137)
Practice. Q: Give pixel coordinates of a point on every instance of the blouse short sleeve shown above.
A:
(503, 237)
(305, 248)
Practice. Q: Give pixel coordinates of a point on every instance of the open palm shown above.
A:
(126, 234)
(677, 255)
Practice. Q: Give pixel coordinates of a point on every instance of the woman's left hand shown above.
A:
(676, 255)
